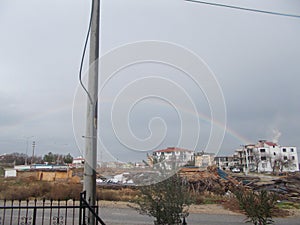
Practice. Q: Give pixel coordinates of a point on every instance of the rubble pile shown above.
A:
(212, 180)
(215, 180)
(287, 186)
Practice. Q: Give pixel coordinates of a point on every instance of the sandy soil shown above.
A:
(208, 209)
(295, 212)
(214, 209)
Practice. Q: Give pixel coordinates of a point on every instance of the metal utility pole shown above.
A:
(26, 156)
(26, 152)
(33, 146)
(91, 116)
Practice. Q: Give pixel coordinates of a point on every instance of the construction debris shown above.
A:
(215, 180)
(288, 186)
(212, 179)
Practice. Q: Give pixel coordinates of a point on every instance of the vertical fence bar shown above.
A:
(97, 207)
(66, 212)
(34, 213)
(74, 212)
(83, 216)
(3, 219)
(50, 221)
(80, 211)
(19, 213)
(26, 217)
(34, 216)
(43, 211)
(89, 213)
(11, 211)
(58, 212)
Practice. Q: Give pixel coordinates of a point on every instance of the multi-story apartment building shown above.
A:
(267, 156)
(171, 155)
(226, 162)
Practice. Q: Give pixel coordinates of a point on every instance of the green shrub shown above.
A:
(167, 201)
(258, 206)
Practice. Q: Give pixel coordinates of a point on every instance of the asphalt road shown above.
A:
(127, 216)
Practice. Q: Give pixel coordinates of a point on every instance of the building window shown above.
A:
(285, 157)
(263, 158)
(274, 153)
(293, 157)
(292, 150)
(262, 150)
(284, 149)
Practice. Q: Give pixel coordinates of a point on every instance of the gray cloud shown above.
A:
(254, 57)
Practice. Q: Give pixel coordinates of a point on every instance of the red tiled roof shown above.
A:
(270, 143)
(173, 149)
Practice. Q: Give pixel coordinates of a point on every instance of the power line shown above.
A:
(83, 52)
(245, 9)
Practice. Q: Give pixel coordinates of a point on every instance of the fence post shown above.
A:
(82, 208)
(184, 222)
(34, 216)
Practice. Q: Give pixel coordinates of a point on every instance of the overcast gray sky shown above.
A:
(254, 56)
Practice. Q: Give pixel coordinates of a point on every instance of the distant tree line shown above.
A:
(51, 158)
(21, 159)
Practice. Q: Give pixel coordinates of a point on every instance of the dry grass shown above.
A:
(231, 203)
(28, 188)
(124, 194)
(25, 188)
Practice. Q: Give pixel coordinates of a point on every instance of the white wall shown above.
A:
(10, 173)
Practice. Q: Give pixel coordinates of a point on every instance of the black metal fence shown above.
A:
(49, 212)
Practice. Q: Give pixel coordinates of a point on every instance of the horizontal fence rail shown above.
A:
(47, 212)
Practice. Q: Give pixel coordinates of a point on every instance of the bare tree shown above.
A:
(256, 160)
(274, 163)
(284, 163)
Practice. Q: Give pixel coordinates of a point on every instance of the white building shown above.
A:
(179, 156)
(78, 162)
(267, 156)
(226, 162)
(10, 172)
(204, 159)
